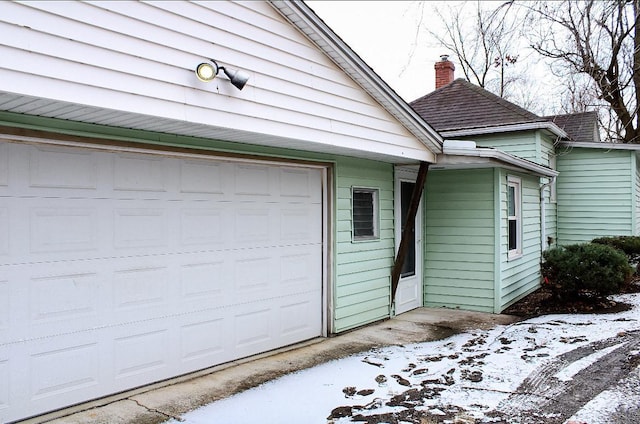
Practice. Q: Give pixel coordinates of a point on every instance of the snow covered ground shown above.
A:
(550, 369)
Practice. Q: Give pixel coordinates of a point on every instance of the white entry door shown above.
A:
(409, 292)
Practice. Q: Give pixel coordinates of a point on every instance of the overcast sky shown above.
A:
(384, 34)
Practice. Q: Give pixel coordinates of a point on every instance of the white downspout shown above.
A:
(543, 218)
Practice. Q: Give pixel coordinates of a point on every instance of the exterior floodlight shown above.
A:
(237, 78)
(208, 71)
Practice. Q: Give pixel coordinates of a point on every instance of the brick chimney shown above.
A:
(444, 71)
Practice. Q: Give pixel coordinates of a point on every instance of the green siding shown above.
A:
(636, 215)
(524, 144)
(551, 205)
(520, 276)
(361, 279)
(547, 150)
(362, 291)
(459, 239)
(596, 194)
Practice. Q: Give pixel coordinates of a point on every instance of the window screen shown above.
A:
(365, 214)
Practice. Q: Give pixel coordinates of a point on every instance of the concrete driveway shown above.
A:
(156, 404)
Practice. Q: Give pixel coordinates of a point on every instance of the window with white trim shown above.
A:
(514, 216)
(365, 214)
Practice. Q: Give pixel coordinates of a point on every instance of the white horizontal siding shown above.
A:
(140, 57)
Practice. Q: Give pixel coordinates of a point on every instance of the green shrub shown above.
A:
(630, 245)
(588, 270)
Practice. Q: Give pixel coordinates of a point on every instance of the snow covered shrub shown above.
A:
(630, 245)
(588, 270)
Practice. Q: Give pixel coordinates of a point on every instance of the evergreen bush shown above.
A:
(587, 270)
(630, 245)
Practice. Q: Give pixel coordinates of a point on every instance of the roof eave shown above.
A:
(527, 126)
(600, 145)
(499, 156)
(303, 17)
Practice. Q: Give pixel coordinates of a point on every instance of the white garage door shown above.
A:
(121, 269)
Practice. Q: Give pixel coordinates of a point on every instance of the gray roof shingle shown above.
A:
(462, 105)
(581, 127)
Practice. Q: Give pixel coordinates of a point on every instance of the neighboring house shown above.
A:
(152, 224)
(598, 190)
(486, 226)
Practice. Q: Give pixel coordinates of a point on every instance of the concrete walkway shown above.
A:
(160, 402)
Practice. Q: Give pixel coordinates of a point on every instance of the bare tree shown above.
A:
(600, 40)
(485, 43)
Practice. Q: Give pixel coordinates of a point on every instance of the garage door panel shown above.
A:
(126, 269)
(300, 185)
(64, 302)
(138, 173)
(204, 283)
(57, 370)
(300, 224)
(252, 225)
(15, 386)
(253, 328)
(253, 182)
(204, 227)
(63, 229)
(141, 292)
(4, 308)
(299, 317)
(271, 224)
(204, 177)
(266, 325)
(139, 227)
(62, 168)
(299, 269)
(253, 277)
(4, 229)
(65, 366)
(4, 165)
(15, 313)
(5, 377)
(197, 351)
(44, 303)
(142, 355)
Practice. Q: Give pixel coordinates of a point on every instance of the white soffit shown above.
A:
(47, 108)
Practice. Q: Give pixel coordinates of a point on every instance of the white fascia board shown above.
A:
(476, 156)
(601, 145)
(549, 126)
(303, 17)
